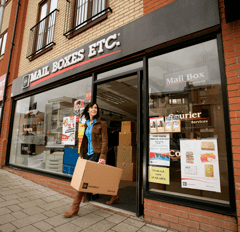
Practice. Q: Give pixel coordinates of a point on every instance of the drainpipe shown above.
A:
(9, 63)
(1, 12)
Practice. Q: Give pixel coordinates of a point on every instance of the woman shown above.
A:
(94, 146)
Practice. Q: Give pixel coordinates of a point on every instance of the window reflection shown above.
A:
(40, 138)
(186, 111)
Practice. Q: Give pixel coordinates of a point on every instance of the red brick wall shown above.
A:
(188, 219)
(60, 186)
(183, 218)
(231, 46)
(169, 215)
(13, 69)
(151, 5)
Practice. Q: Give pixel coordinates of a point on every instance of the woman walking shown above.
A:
(94, 146)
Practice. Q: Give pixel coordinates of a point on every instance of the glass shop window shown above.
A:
(187, 153)
(47, 129)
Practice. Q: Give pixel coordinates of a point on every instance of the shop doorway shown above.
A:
(119, 99)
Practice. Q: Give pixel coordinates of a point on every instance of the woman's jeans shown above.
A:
(94, 157)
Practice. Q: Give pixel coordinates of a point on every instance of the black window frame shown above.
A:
(215, 207)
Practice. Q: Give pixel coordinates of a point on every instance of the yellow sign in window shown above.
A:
(159, 175)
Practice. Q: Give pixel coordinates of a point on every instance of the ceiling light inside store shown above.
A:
(111, 97)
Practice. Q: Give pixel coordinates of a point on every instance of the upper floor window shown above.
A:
(3, 40)
(82, 14)
(41, 35)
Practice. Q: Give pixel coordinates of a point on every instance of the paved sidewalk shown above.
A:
(28, 207)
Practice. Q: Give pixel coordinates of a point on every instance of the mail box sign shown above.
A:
(92, 177)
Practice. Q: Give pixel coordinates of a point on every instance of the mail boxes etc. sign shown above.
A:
(77, 57)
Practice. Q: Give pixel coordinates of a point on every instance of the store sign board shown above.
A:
(134, 37)
(180, 80)
(2, 85)
(72, 60)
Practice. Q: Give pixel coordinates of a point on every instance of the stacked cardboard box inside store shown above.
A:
(126, 151)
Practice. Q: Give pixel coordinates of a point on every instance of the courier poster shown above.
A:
(159, 149)
(68, 131)
(200, 165)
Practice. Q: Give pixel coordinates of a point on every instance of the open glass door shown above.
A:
(119, 100)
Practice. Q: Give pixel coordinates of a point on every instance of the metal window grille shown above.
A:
(42, 34)
(81, 12)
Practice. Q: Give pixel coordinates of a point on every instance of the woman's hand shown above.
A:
(101, 161)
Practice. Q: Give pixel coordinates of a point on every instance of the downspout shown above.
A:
(9, 63)
(1, 12)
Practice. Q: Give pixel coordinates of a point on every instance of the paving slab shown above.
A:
(116, 218)
(69, 227)
(29, 220)
(29, 228)
(33, 210)
(6, 218)
(102, 226)
(152, 228)
(8, 227)
(87, 220)
(19, 214)
(58, 220)
(43, 226)
(123, 227)
(29, 207)
(4, 210)
(136, 223)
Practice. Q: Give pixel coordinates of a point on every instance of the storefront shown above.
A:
(164, 99)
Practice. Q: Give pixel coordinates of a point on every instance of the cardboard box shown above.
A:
(92, 177)
(127, 126)
(126, 154)
(129, 170)
(126, 139)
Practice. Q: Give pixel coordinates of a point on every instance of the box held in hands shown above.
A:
(92, 177)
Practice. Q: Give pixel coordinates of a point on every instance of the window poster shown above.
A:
(168, 124)
(199, 164)
(153, 126)
(160, 124)
(81, 129)
(68, 131)
(159, 149)
(176, 123)
(159, 175)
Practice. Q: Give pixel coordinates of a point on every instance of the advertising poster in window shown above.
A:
(81, 130)
(78, 107)
(159, 149)
(159, 175)
(68, 131)
(200, 165)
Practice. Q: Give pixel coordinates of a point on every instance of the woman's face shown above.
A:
(92, 111)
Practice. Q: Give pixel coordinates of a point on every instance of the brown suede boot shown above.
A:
(75, 205)
(114, 199)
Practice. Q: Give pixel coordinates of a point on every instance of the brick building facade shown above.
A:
(168, 212)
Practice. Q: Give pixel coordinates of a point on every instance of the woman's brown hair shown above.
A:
(85, 111)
